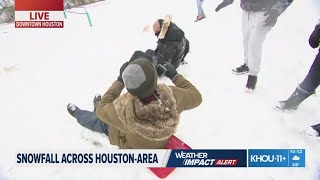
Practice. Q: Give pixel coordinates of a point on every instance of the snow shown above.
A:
(54, 67)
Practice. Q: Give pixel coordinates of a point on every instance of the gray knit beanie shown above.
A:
(140, 78)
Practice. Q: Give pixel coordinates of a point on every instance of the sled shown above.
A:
(165, 26)
(174, 143)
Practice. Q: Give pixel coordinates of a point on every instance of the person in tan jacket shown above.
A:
(148, 114)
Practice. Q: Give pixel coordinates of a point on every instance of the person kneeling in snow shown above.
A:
(173, 48)
(148, 114)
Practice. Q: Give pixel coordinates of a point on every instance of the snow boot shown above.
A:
(317, 129)
(294, 100)
(199, 18)
(241, 70)
(96, 100)
(251, 82)
(72, 109)
(313, 131)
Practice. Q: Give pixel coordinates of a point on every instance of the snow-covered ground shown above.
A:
(52, 67)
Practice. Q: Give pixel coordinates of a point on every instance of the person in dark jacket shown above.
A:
(310, 82)
(173, 48)
(308, 85)
(258, 18)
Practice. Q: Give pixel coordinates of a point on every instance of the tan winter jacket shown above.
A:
(133, 125)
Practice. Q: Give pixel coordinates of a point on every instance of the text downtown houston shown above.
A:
(39, 24)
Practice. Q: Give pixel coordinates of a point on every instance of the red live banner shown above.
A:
(39, 14)
(39, 5)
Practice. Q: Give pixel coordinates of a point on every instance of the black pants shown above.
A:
(312, 80)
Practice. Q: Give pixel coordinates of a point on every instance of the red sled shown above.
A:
(174, 143)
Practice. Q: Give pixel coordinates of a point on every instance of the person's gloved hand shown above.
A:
(171, 70)
(272, 18)
(123, 67)
(223, 4)
(161, 70)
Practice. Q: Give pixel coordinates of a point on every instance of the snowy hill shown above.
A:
(52, 67)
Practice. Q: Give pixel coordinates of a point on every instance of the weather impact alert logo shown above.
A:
(39, 14)
(207, 158)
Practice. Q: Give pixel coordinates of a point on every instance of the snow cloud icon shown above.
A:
(296, 158)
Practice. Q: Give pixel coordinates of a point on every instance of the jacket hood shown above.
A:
(174, 33)
(157, 120)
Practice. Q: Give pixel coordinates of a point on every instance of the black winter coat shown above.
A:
(173, 47)
(314, 39)
(264, 5)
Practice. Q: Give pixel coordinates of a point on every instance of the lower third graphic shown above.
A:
(276, 158)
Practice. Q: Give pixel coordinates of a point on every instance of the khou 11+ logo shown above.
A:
(276, 158)
(39, 14)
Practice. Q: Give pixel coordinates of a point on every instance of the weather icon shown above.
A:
(296, 158)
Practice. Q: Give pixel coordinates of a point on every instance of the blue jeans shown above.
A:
(200, 10)
(91, 121)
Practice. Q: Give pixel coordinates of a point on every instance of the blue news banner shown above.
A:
(173, 158)
(276, 158)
